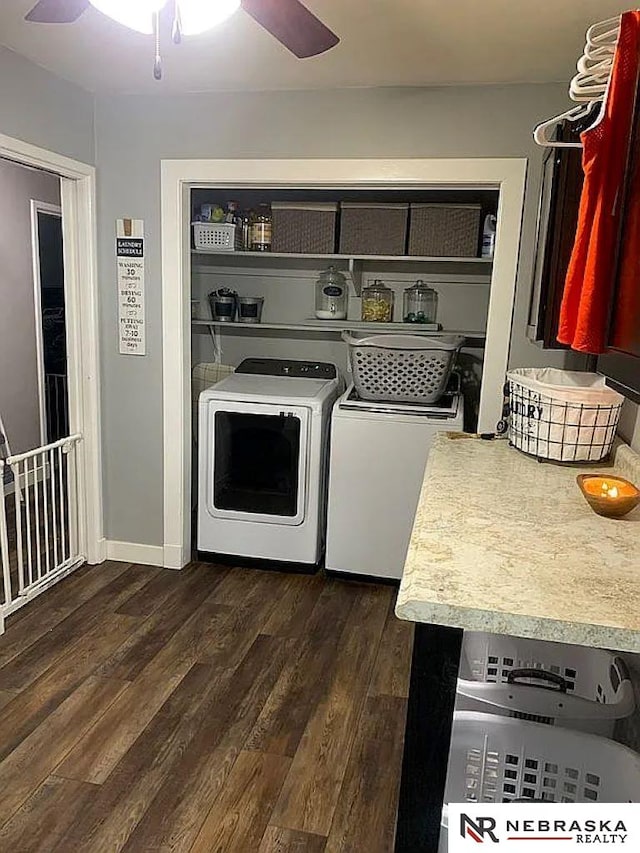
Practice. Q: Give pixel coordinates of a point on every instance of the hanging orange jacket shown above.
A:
(584, 314)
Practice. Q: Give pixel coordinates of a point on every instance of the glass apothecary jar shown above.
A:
(377, 303)
(332, 295)
(420, 304)
(260, 229)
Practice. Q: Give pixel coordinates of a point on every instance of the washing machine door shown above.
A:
(256, 461)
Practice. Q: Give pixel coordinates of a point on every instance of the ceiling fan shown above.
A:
(289, 21)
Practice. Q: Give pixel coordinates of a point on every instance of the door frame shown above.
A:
(508, 175)
(79, 234)
(51, 210)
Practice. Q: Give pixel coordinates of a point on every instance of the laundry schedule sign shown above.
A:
(130, 261)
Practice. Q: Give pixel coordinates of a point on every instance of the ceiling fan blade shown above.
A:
(57, 11)
(293, 25)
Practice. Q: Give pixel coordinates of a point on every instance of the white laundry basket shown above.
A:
(402, 368)
(564, 415)
(497, 759)
(552, 683)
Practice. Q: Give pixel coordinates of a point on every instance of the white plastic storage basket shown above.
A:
(561, 414)
(401, 368)
(497, 759)
(216, 237)
(551, 683)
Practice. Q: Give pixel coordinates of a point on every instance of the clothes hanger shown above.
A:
(603, 32)
(602, 52)
(542, 133)
(587, 89)
(595, 64)
(594, 68)
(591, 81)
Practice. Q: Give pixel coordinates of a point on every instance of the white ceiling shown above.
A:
(384, 43)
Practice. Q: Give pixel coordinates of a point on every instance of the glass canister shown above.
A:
(332, 295)
(260, 229)
(420, 304)
(377, 303)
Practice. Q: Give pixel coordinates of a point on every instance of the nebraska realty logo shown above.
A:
(556, 825)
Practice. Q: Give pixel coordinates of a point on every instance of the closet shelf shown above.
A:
(266, 256)
(336, 327)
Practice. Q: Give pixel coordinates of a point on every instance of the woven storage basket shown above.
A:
(304, 227)
(445, 230)
(373, 229)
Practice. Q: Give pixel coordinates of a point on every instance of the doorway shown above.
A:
(49, 304)
(51, 491)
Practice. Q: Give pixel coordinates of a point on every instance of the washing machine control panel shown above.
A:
(287, 367)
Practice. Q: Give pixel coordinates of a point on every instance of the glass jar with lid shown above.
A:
(377, 303)
(260, 229)
(420, 304)
(332, 295)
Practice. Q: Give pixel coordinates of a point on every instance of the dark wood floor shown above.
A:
(206, 710)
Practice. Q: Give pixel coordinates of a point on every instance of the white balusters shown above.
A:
(39, 534)
(27, 512)
(4, 539)
(63, 515)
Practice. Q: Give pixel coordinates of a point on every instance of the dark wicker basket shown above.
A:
(373, 229)
(304, 228)
(444, 230)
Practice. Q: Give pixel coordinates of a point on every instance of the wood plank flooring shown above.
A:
(213, 710)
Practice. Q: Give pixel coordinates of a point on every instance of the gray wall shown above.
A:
(19, 376)
(42, 109)
(134, 133)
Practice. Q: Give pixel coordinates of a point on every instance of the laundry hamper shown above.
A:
(496, 759)
(551, 683)
(563, 415)
(401, 368)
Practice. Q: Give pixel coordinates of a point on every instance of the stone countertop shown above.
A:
(506, 544)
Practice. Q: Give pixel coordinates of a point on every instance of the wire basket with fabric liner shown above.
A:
(564, 415)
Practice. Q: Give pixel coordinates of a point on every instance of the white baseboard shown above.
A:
(98, 553)
(175, 557)
(135, 552)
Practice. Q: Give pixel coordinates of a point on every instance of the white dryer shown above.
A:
(378, 456)
(263, 460)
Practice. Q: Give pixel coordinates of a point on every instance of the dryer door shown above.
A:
(256, 461)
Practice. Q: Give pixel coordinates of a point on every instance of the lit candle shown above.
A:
(610, 491)
(609, 496)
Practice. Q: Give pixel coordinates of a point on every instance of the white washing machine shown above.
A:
(378, 456)
(263, 460)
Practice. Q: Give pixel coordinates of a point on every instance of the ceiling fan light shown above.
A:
(134, 14)
(198, 16)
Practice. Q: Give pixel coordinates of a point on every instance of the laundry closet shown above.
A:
(316, 315)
